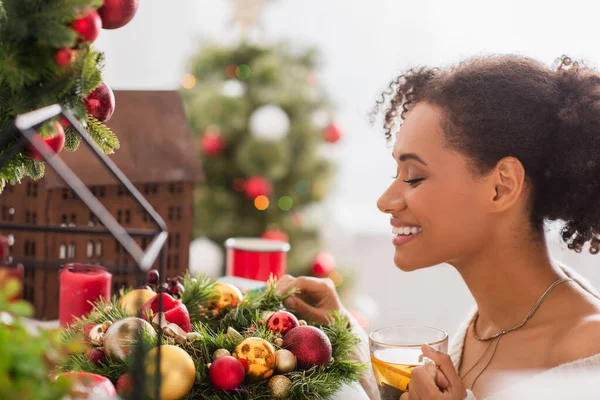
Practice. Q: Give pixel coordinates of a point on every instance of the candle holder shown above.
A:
(23, 130)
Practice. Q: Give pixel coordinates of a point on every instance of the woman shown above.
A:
(486, 152)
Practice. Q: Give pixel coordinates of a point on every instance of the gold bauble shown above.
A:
(121, 336)
(220, 353)
(260, 356)
(134, 300)
(285, 361)
(280, 386)
(177, 371)
(229, 295)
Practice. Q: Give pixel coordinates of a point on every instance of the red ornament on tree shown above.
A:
(101, 103)
(117, 13)
(310, 345)
(88, 27)
(258, 186)
(276, 234)
(282, 321)
(56, 143)
(64, 56)
(332, 133)
(324, 265)
(212, 143)
(226, 373)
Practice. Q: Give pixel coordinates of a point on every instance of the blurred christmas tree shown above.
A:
(261, 120)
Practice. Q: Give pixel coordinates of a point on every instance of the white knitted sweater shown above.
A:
(580, 368)
(563, 381)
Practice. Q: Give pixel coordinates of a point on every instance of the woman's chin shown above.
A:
(407, 265)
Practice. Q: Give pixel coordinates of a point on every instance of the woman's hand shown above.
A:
(447, 385)
(316, 297)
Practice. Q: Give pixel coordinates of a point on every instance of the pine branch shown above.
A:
(72, 139)
(198, 293)
(102, 135)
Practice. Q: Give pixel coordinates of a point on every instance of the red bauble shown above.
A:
(258, 186)
(64, 56)
(282, 321)
(88, 27)
(276, 234)
(212, 143)
(124, 386)
(87, 384)
(324, 265)
(310, 345)
(101, 103)
(226, 373)
(332, 133)
(117, 13)
(56, 143)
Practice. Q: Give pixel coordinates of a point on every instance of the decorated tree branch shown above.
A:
(218, 343)
(47, 57)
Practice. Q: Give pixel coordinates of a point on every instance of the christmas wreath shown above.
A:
(217, 343)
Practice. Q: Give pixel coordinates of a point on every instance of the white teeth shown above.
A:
(406, 230)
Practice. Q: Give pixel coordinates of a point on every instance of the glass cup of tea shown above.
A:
(396, 350)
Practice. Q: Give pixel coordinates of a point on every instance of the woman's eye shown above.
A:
(414, 181)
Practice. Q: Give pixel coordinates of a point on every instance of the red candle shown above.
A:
(257, 259)
(80, 285)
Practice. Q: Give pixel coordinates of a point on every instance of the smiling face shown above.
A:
(436, 194)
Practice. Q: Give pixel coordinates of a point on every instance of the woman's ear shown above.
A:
(507, 183)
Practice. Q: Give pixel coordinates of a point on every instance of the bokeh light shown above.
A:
(298, 219)
(302, 187)
(243, 71)
(285, 203)
(238, 184)
(188, 81)
(336, 278)
(311, 78)
(231, 70)
(261, 202)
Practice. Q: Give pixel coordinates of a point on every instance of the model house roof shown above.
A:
(156, 143)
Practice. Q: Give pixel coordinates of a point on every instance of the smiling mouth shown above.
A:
(406, 231)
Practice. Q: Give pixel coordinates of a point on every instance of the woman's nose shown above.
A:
(392, 200)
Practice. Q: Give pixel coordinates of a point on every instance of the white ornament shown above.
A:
(269, 122)
(320, 119)
(206, 257)
(233, 88)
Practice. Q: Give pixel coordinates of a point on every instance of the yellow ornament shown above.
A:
(286, 361)
(134, 300)
(259, 355)
(177, 371)
(229, 295)
(280, 386)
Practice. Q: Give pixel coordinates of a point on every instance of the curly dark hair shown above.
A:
(548, 118)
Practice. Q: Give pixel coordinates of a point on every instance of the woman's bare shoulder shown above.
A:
(577, 341)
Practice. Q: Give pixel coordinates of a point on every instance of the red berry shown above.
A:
(64, 56)
(153, 276)
(95, 355)
(124, 388)
(177, 290)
